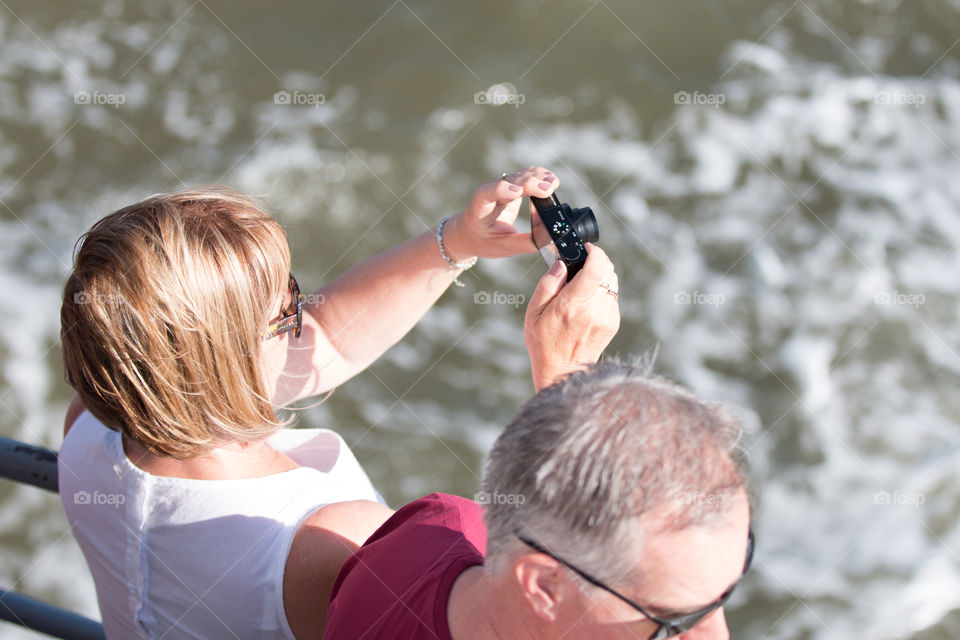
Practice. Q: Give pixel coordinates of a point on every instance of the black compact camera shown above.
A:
(559, 232)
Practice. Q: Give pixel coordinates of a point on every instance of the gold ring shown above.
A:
(606, 287)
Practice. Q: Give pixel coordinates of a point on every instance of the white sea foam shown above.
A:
(817, 295)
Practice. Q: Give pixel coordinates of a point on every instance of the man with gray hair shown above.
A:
(613, 507)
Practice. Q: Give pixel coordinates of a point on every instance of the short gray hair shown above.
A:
(589, 456)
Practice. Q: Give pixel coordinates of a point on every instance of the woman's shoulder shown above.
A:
(330, 461)
(87, 440)
(73, 412)
(319, 449)
(84, 430)
(324, 540)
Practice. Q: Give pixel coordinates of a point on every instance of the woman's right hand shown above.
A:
(568, 325)
(486, 227)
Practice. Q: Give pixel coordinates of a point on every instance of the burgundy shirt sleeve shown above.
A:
(397, 585)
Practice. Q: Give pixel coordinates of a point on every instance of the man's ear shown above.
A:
(543, 584)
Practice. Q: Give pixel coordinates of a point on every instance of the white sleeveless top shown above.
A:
(181, 558)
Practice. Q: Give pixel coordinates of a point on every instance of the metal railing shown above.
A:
(28, 464)
(37, 466)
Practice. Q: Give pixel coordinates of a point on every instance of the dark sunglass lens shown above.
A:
(296, 332)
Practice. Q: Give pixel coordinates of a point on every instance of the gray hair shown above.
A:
(586, 458)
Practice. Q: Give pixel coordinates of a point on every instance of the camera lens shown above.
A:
(586, 224)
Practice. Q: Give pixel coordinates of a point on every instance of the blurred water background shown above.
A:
(777, 182)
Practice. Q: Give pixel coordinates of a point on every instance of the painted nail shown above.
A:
(549, 179)
(544, 185)
(516, 187)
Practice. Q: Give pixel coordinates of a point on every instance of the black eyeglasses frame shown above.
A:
(668, 627)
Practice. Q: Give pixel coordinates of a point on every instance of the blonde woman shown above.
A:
(183, 332)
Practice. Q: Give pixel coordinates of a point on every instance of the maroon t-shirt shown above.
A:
(397, 585)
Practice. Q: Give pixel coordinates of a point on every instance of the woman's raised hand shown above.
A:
(485, 229)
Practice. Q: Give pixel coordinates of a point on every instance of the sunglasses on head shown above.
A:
(669, 627)
(291, 317)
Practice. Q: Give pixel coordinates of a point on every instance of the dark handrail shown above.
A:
(39, 616)
(37, 466)
(28, 464)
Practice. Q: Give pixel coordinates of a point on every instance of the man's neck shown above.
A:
(481, 608)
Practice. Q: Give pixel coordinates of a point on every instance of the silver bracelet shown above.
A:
(458, 267)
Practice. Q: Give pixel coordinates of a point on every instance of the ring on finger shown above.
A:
(606, 287)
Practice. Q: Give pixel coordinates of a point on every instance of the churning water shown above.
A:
(778, 184)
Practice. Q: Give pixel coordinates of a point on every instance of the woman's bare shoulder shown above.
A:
(73, 412)
(322, 544)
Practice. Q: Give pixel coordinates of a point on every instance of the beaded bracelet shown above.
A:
(458, 267)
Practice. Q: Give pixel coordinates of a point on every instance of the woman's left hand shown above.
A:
(485, 229)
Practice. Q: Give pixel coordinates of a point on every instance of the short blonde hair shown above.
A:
(163, 317)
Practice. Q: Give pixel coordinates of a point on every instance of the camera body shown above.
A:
(559, 232)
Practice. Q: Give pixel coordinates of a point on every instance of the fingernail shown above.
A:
(544, 185)
(516, 187)
(556, 269)
(549, 179)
